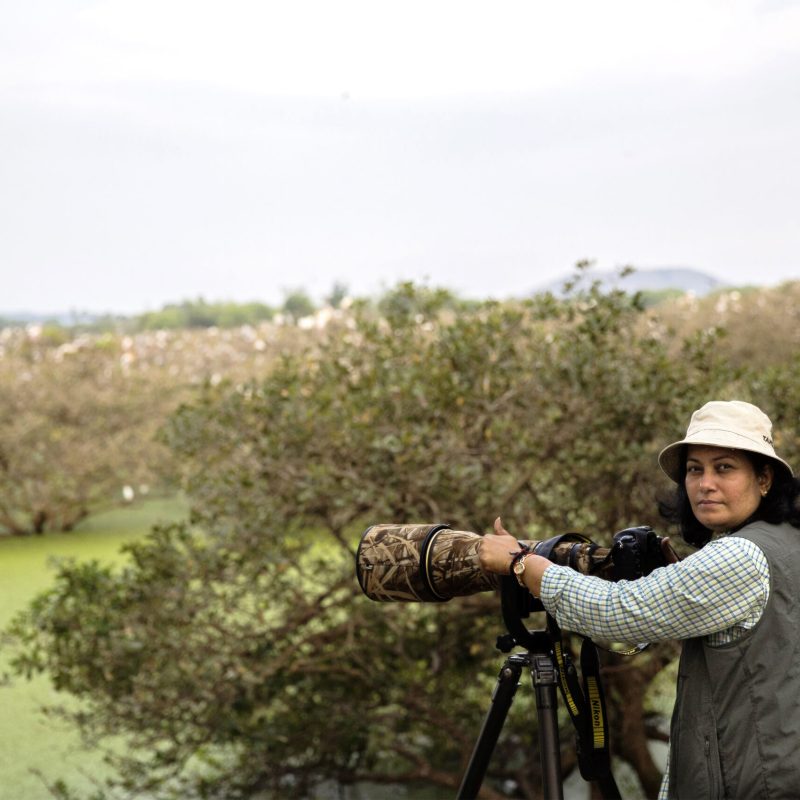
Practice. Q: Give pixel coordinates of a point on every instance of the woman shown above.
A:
(735, 604)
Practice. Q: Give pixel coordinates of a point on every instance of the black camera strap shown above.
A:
(585, 703)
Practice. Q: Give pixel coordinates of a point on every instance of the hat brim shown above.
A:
(669, 459)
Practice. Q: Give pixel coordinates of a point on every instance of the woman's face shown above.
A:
(723, 487)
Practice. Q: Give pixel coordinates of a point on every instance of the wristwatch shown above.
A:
(519, 569)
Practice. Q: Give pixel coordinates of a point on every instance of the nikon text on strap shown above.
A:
(586, 704)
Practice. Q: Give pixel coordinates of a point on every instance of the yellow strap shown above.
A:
(596, 711)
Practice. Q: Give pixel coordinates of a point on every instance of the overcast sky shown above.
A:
(156, 150)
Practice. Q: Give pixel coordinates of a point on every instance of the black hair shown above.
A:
(781, 504)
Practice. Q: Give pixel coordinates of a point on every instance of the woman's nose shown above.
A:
(707, 482)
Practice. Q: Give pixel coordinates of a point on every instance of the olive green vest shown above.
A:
(736, 725)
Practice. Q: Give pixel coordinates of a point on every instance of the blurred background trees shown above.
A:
(76, 427)
(236, 653)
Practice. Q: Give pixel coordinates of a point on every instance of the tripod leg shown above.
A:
(504, 691)
(543, 675)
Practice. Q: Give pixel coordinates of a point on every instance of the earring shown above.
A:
(764, 492)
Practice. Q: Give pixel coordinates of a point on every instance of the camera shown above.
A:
(431, 563)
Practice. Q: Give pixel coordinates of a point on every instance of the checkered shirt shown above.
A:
(719, 593)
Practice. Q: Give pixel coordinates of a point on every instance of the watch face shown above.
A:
(519, 567)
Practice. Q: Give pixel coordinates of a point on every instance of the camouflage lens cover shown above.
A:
(420, 563)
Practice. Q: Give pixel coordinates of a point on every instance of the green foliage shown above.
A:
(243, 659)
(37, 748)
(656, 297)
(202, 314)
(407, 303)
(298, 304)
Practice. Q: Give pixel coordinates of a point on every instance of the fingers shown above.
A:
(670, 556)
(499, 529)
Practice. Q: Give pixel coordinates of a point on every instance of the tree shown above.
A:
(75, 427)
(243, 658)
(79, 413)
(337, 294)
(298, 304)
(202, 314)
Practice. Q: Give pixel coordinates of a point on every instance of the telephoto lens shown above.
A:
(431, 563)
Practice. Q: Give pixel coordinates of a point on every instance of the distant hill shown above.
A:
(649, 280)
(66, 318)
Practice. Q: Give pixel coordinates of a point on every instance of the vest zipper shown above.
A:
(713, 782)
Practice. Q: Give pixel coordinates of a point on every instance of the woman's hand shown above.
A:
(497, 549)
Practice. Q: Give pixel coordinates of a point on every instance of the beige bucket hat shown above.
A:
(724, 423)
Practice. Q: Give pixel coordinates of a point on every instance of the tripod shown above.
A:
(540, 659)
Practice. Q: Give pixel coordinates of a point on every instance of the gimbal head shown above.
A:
(516, 605)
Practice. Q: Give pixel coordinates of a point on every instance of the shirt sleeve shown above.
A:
(724, 584)
(663, 792)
